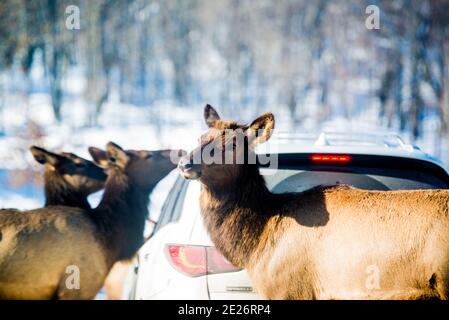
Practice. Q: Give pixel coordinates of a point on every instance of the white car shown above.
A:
(180, 261)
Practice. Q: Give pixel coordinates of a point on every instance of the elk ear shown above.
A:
(260, 130)
(99, 156)
(46, 157)
(210, 115)
(116, 155)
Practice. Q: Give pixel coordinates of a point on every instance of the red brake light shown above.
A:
(217, 263)
(196, 261)
(330, 158)
(188, 259)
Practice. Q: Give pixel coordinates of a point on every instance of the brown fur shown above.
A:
(115, 280)
(322, 243)
(37, 246)
(68, 179)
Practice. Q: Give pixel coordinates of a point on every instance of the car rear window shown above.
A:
(297, 173)
(291, 180)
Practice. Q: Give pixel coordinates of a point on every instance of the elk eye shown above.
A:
(112, 159)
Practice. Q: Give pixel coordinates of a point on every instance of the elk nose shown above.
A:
(185, 164)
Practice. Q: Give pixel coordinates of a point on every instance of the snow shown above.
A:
(10, 199)
(164, 127)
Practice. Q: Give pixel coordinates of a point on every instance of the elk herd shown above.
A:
(316, 244)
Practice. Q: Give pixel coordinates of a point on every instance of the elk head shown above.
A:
(78, 174)
(225, 148)
(144, 168)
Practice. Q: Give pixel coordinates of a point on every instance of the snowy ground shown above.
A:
(129, 126)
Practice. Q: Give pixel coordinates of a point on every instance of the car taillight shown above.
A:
(330, 158)
(196, 261)
(217, 263)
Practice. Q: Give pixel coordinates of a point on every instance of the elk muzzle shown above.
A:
(188, 169)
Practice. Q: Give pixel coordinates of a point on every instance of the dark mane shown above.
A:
(121, 215)
(58, 192)
(249, 217)
(239, 215)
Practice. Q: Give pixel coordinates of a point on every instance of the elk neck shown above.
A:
(236, 217)
(59, 193)
(121, 215)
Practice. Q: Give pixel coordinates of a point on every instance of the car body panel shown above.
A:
(232, 285)
(157, 278)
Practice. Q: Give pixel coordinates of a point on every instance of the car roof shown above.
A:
(346, 143)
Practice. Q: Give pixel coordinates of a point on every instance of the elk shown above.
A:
(44, 252)
(114, 282)
(68, 179)
(335, 242)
